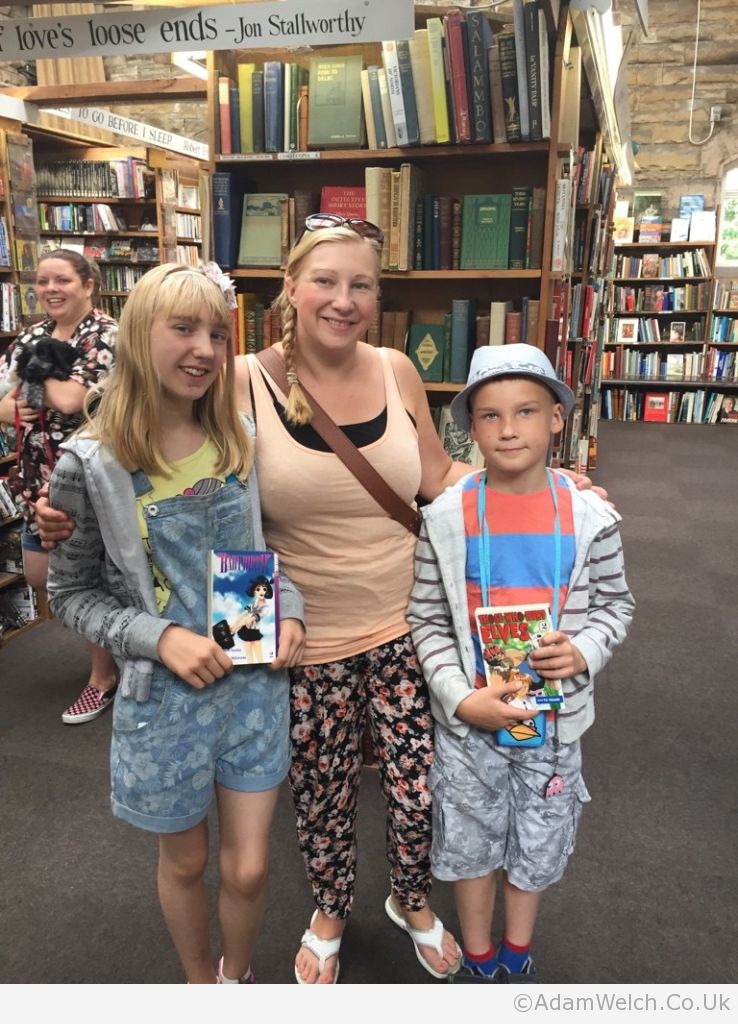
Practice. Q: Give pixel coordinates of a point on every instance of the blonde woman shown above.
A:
(162, 475)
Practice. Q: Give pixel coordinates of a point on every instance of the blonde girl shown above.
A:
(161, 475)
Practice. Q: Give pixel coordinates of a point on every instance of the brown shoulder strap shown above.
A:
(345, 449)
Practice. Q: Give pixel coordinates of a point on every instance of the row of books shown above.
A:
(586, 302)
(80, 217)
(654, 298)
(726, 295)
(120, 279)
(721, 365)
(10, 311)
(11, 552)
(17, 608)
(691, 263)
(5, 256)
(620, 363)
(650, 330)
(130, 178)
(124, 250)
(668, 406)
(187, 254)
(189, 225)
(454, 81)
(9, 508)
(724, 329)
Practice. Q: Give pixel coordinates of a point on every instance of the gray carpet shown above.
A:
(650, 893)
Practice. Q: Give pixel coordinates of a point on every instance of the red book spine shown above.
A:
(458, 76)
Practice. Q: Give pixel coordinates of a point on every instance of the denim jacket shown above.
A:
(100, 583)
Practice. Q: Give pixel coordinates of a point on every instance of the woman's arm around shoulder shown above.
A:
(438, 470)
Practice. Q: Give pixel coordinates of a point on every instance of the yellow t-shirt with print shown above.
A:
(194, 474)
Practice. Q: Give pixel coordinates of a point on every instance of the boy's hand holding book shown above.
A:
(196, 659)
(556, 657)
(487, 708)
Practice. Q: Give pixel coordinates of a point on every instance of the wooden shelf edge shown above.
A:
(7, 579)
(13, 633)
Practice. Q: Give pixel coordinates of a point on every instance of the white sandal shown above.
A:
(322, 950)
(433, 937)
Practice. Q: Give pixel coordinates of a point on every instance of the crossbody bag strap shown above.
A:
(345, 449)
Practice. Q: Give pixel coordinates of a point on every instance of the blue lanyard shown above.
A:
(484, 545)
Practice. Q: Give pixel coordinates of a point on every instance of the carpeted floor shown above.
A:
(650, 894)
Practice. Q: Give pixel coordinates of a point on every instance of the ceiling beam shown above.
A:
(152, 91)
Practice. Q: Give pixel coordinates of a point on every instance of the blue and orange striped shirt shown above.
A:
(521, 529)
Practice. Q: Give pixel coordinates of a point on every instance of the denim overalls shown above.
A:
(168, 751)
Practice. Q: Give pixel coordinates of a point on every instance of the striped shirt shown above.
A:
(521, 547)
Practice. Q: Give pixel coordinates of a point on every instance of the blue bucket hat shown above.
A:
(492, 361)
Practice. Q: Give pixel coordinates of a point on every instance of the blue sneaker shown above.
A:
(470, 975)
(527, 975)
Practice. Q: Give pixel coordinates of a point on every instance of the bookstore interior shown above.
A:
(491, 143)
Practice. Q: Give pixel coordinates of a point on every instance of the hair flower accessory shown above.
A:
(224, 281)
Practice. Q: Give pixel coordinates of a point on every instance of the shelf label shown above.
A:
(288, 23)
(147, 134)
(294, 155)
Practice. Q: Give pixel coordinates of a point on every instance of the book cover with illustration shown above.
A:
(507, 636)
(243, 605)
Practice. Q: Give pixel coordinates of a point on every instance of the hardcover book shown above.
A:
(334, 102)
(243, 605)
(345, 200)
(425, 348)
(485, 232)
(261, 229)
(507, 635)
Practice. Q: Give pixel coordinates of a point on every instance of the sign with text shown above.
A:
(224, 27)
(146, 134)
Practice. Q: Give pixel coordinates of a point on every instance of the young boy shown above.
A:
(512, 534)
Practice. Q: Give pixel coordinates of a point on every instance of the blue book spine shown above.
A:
(235, 120)
(461, 316)
(273, 106)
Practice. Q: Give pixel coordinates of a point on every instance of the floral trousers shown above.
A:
(330, 705)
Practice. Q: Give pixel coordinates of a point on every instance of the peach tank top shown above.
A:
(351, 561)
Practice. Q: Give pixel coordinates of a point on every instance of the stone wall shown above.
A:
(660, 80)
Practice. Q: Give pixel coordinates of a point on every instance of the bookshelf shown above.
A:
(667, 364)
(444, 170)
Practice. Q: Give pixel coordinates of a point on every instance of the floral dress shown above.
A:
(94, 342)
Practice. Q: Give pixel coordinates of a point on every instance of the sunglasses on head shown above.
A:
(318, 221)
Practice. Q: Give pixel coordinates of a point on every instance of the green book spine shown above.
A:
(520, 202)
(426, 347)
(485, 232)
(335, 116)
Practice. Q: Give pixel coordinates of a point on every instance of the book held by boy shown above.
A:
(243, 605)
(507, 635)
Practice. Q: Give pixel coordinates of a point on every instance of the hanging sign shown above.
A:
(146, 134)
(224, 27)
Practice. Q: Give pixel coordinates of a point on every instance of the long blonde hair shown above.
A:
(298, 411)
(127, 418)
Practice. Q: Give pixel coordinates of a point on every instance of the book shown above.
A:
(456, 442)
(260, 242)
(485, 232)
(650, 264)
(689, 204)
(257, 111)
(273, 106)
(235, 103)
(562, 209)
(646, 203)
(227, 200)
(679, 229)
(571, 98)
(702, 226)
(480, 40)
(627, 330)
(375, 98)
(533, 69)
(499, 133)
(650, 229)
(243, 605)
(408, 91)
(521, 202)
(335, 116)
(622, 230)
(434, 28)
(224, 111)
(244, 77)
(507, 635)
(425, 348)
(656, 407)
(394, 91)
(345, 200)
(459, 93)
(420, 61)
(366, 99)
(463, 338)
(521, 69)
(509, 75)
(384, 95)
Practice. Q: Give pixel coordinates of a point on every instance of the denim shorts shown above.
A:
(489, 810)
(168, 752)
(31, 541)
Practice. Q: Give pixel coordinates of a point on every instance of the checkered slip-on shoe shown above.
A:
(245, 979)
(90, 704)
